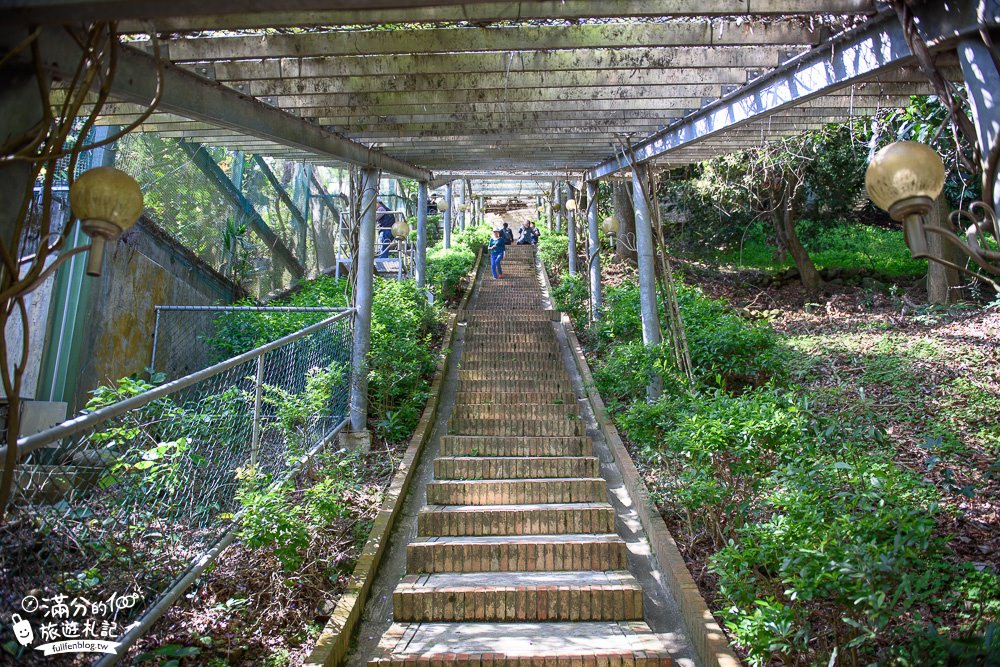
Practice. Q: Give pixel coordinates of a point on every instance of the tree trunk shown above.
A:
(942, 281)
(625, 248)
(785, 227)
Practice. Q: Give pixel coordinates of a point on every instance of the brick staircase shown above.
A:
(517, 557)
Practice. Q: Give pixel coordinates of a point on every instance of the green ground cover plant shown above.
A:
(819, 546)
(840, 245)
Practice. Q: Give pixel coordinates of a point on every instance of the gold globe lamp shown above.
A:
(570, 205)
(400, 230)
(556, 207)
(905, 178)
(442, 205)
(610, 225)
(107, 202)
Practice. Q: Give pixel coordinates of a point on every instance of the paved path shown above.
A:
(516, 555)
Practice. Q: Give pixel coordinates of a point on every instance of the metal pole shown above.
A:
(363, 301)
(571, 233)
(561, 198)
(982, 80)
(255, 432)
(448, 198)
(421, 263)
(651, 335)
(461, 206)
(593, 252)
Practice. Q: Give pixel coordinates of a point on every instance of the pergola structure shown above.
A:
(497, 90)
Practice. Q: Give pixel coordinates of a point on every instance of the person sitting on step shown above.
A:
(498, 244)
(524, 234)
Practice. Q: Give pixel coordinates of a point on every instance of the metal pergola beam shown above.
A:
(193, 97)
(686, 33)
(630, 57)
(232, 14)
(878, 45)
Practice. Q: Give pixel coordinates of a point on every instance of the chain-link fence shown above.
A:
(185, 202)
(189, 338)
(112, 509)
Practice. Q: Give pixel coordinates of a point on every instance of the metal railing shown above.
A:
(138, 497)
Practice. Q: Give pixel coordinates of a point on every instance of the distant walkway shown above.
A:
(516, 553)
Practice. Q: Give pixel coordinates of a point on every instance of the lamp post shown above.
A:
(904, 178)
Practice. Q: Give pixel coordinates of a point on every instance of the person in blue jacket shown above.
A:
(498, 245)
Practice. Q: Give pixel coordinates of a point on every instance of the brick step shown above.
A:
(518, 596)
(506, 329)
(502, 355)
(532, 519)
(537, 349)
(491, 445)
(515, 467)
(486, 317)
(556, 411)
(560, 386)
(514, 373)
(517, 553)
(590, 644)
(501, 364)
(473, 338)
(517, 427)
(516, 492)
(515, 398)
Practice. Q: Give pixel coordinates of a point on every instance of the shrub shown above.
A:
(720, 449)
(473, 238)
(846, 546)
(401, 358)
(447, 267)
(571, 295)
(726, 348)
(552, 249)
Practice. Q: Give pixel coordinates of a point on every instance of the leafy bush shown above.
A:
(572, 296)
(240, 331)
(401, 357)
(847, 546)
(726, 348)
(720, 450)
(446, 267)
(282, 519)
(552, 249)
(473, 238)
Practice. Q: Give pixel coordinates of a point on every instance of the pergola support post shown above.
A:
(359, 437)
(421, 260)
(461, 206)
(651, 335)
(570, 234)
(982, 81)
(593, 252)
(561, 198)
(450, 207)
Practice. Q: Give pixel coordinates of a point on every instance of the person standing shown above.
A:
(497, 247)
(384, 220)
(508, 234)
